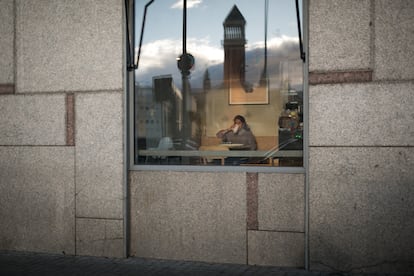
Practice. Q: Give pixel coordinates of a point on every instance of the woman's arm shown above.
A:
(223, 132)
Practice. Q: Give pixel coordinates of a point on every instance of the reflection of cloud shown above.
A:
(190, 4)
(275, 42)
(160, 57)
(162, 53)
(202, 49)
(156, 54)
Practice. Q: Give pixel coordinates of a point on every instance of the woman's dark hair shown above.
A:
(241, 118)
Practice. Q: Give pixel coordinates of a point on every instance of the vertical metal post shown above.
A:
(302, 54)
(184, 27)
(129, 138)
(265, 38)
(305, 8)
(186, 127)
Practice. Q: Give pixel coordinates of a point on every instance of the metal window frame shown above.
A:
(131, 65)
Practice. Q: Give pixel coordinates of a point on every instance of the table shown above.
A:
(265, 154)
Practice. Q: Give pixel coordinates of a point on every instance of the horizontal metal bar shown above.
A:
(223, 153)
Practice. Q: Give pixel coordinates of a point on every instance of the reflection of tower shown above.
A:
(234, 47)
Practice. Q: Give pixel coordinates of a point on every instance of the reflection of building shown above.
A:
(161, 106)
(159, 112)
(223, 102)
(170, 97)
(240, 90)
(234, 47)
(148, 126)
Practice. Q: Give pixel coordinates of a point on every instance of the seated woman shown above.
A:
(238, 133)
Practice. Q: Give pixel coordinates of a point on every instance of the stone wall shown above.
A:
(361, 74)
(61, 106)
(237, 217)
(61, 150)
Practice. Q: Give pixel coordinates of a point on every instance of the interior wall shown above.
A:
(263, 119)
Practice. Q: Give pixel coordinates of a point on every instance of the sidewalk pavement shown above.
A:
(14, 263)
(24, 263)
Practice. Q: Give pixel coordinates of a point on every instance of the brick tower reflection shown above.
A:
(234, 48)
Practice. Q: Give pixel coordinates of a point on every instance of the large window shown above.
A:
(218, 83)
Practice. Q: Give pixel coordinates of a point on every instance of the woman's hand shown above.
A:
(230, 128)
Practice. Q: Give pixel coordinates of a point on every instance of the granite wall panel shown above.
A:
(99, 155)
(339, 35)
(99, 237)
(7, 42)
(282, 249)
(361, 205)
(195, 216)
(37, 207)
(69, 45)
(281, 202)
(394, 40)
(33, 120)
(370, 114)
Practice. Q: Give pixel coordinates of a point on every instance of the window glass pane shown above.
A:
(225, 90)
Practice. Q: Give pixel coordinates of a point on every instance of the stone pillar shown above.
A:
(61, 104)
(361, 72)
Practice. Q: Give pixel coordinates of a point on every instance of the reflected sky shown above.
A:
(162, 42)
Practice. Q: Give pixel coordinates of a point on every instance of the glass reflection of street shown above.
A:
(189, 84)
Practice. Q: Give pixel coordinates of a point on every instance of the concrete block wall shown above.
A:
(61, 106)
(361, 74)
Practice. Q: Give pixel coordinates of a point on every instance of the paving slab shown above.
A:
(26, 263)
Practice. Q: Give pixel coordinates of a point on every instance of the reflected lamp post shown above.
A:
(184, 63)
